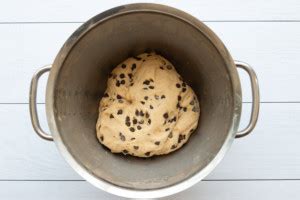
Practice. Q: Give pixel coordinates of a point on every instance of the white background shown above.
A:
(265, 34)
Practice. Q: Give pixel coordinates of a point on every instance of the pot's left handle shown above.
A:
(32, 104)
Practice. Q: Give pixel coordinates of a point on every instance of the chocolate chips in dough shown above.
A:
(147, 109)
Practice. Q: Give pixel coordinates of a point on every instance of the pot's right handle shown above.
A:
(32, 104)
(255, 99)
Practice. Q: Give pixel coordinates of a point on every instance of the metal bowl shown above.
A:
(77, 81)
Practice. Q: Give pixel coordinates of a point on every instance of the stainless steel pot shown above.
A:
(77, 81)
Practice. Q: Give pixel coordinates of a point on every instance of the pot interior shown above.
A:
(81, 83)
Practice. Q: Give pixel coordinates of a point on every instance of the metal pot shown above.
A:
(77, 81)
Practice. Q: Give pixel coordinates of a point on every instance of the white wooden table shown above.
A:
(266, 34)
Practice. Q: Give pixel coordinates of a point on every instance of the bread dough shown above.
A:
(147, 109)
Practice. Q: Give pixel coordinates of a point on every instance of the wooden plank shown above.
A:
(24, 155)
(271, 50)
(70, 11)
(24, 49)
(225, 190)
(269, 47)
(270, 152)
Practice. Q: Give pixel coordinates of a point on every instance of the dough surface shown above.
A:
(146, 109)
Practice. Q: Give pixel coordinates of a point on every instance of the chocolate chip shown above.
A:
(144, 60)
(141, 113)
(143, 102)
(166, 115)
(127, 118)
(119, 96)
(105, 95)
(146, 98)
(128, 123)
(118, 83)
(151, 87)
(101, 138)
(130, 75)
(149, 121)
(178, 85)
(192, 102)
(180, 78)
(151, 107)
(145, 88)
(173, 146)
(123, 66)
(157, 142)
(178, 106)
(147, 153)
(122, 137)
(137, 113)
(169, 67)
(131, 84)
(139, 127)
(146, 82)
(161, 68)
(136, 147)
(151, 80)
(131, 129)
(183, 84)
(133, 66)
(120, 101)
(134, 121)
(120, 112)
(122, 75)
(163, 96)
(180, 138)
(122, 82)
(147, 115)
(141, 122)
(170, 135)
(183, 89)
(174, 119)
(133, 138)
(179, 98)
(184, 109)
(167, 129)
(111, 116)
(137, 58)
(156, 97)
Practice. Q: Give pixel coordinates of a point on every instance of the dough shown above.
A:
(147, 109)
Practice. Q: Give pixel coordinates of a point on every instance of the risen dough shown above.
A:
(147, 109)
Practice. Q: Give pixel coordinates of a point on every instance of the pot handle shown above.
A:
(32, 104)
(255, 99)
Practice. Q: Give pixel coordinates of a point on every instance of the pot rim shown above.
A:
(84, 29)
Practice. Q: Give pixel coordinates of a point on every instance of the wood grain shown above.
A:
(270, 152)
(271, 48)
(70, 11)
(212, 190)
